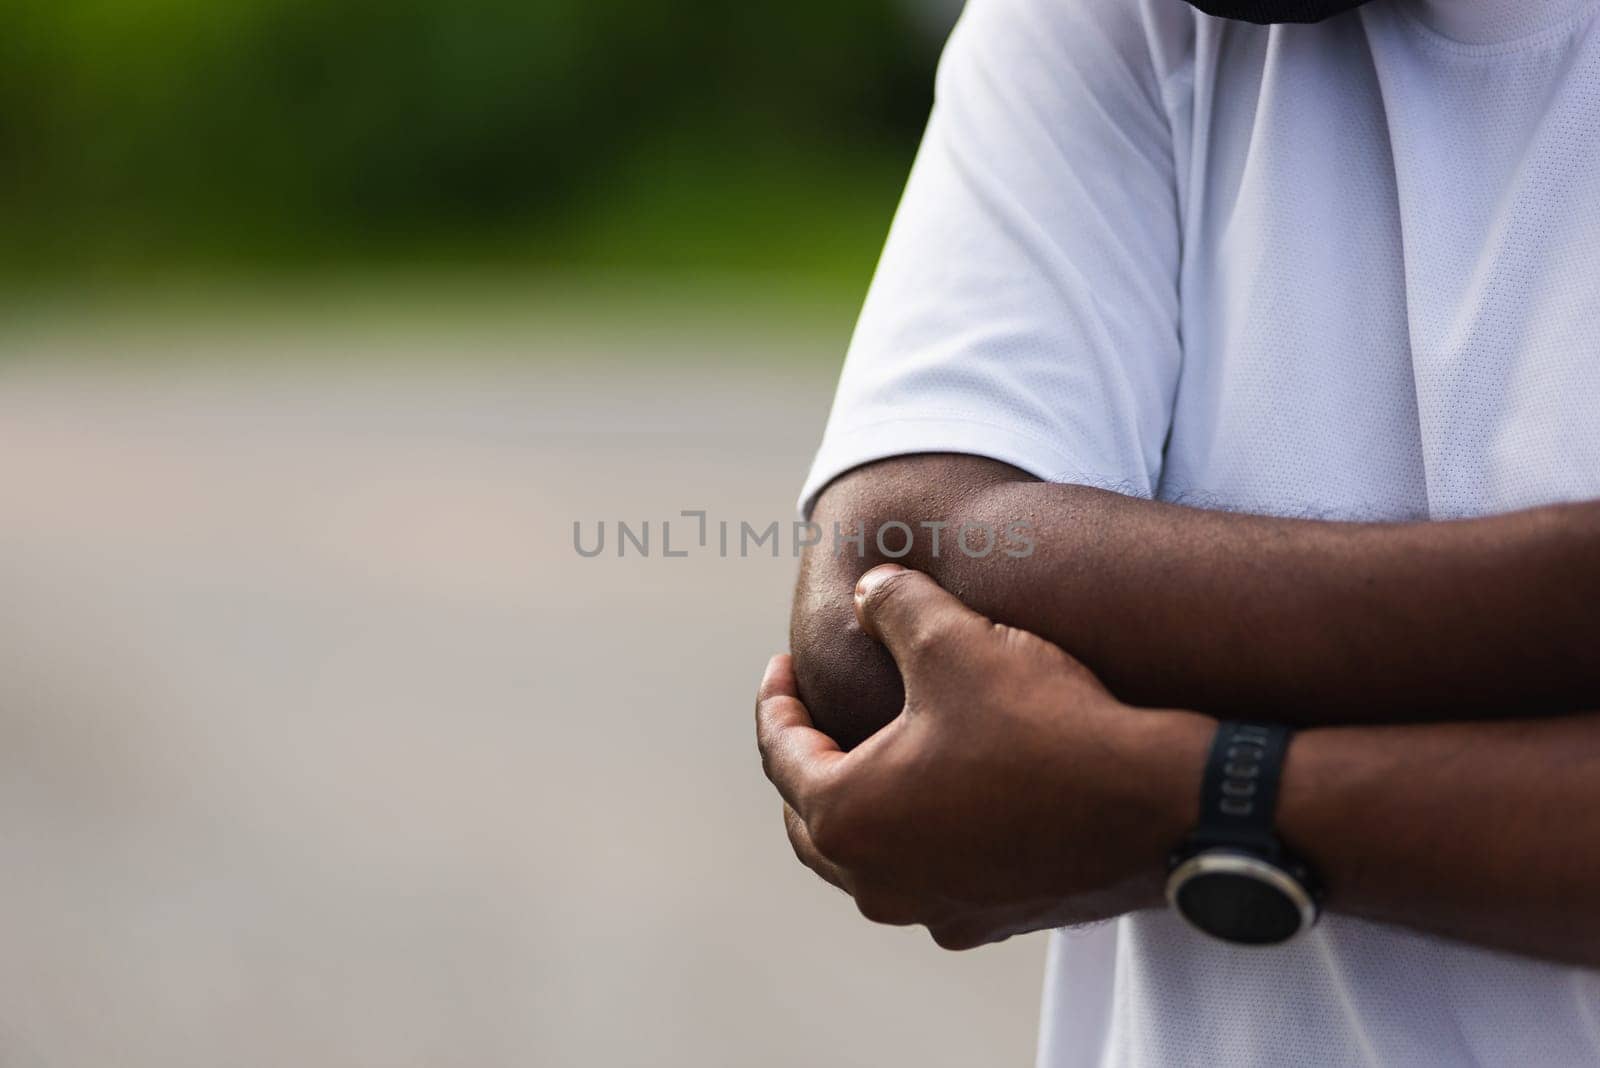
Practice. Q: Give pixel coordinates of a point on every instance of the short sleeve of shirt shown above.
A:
(1026, 304)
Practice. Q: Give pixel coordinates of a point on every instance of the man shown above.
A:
(1280, 346)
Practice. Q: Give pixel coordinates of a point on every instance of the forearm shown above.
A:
(1483, 832)
(1303, 620)
(1283, 619)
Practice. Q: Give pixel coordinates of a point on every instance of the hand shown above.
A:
(1012, 793)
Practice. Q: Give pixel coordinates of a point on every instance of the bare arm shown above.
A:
(1293, 620)
(1488, 829)
(1016, 793)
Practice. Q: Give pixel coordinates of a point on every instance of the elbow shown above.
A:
(848, 682)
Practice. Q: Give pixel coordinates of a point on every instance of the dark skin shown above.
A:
(1002, 788)
(1013, 793)
(1283, 619)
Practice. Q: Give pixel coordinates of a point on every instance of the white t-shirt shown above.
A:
(1347, 270)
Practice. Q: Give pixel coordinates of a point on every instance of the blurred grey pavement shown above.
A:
(320, 744)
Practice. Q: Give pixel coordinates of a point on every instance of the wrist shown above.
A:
(1233, 877)
(1324, 782)
(1168, 750)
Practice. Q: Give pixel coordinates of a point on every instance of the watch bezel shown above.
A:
(1229, 862)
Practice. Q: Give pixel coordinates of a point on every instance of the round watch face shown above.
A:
(1240, 898)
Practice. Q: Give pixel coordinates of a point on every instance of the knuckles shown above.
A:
(836, 832)
(928, 639)
(847, 832)
(1013, 644)
(795, 830)
(1021, 654)
(956, 938)
(887, 908)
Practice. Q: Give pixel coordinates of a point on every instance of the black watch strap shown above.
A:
(1232, 878)
(1239, 792)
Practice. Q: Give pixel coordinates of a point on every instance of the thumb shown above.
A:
(912, 615)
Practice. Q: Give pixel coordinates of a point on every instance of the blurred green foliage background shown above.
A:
(139, 137)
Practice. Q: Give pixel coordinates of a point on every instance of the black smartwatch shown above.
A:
(1232, 878)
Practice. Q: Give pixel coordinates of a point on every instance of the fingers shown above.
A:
(805, 850)
(911, 614)
(877, 904)
(796, 756)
